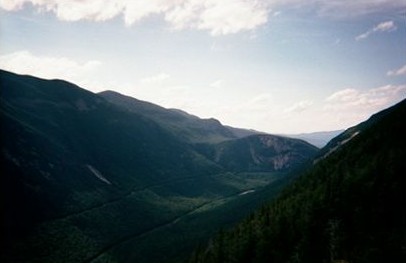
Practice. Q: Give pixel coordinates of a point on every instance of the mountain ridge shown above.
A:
(73, 163)
(184, 125)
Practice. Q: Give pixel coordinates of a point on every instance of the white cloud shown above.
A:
(185, 15)
(299, 107)
(397, 72)
(10, 5)
(135, 10)
(182, 11)
(156, 79)
(345, 108)
(343, 95)
(23, 62)
(95, 10)
(217, 17)
(231, 16)
(387, 26)
(365, 102)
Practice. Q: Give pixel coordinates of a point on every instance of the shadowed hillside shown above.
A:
(86, 180)
(181, 124)
(349, 207)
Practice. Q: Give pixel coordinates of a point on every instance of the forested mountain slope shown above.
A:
(181, 124)
(86, 180)
(349, 207)
(233, 149)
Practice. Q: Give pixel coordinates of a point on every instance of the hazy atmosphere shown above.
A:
(277, 66)
(203, 131)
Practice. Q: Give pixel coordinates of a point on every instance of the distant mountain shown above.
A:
(349, 207)
(318, 139)
(107, 178)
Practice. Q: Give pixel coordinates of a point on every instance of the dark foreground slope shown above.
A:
(350, 206)
(85, 180)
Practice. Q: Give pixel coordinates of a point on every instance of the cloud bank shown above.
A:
(217, 17)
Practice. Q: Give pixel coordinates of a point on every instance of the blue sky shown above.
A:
(278, 66)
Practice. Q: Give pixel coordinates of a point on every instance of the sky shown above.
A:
(278, 66)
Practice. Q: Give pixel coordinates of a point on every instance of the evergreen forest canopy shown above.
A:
(350, 206)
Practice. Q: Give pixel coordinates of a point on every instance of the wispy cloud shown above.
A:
(260, 102)
(397, 72)
(350, 106)
(351, 8)
(387, 26)
(299, 107)
(155, 79)
(24, 62)
(368, 100)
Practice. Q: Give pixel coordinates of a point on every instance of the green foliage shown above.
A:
(87, 180)
(350, 206)
(259, 153)
(180, 124)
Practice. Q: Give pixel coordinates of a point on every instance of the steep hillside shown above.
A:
(85, 180)
(232, 148)
(259, 153)
(349, 207)
(181, 124)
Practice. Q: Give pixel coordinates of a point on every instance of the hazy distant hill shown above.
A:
(88, 180)
(319, 139)
(349, 207)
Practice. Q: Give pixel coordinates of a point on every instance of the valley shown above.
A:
(96, 178)
(348, 207)
(202, 131)
(89, 180)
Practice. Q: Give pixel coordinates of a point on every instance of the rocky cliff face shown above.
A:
(260, 153)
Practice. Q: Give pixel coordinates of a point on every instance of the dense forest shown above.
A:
(349, 207)
(107, 178)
